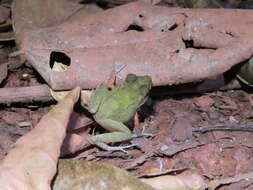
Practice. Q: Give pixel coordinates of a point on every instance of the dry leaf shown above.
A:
(4, 14)
(80, 174)
(31, 164)
(188, 180)
(27, 14)
(3, 71)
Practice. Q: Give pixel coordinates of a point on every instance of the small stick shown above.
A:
(41, 93)
(225, 127)
(28, 94)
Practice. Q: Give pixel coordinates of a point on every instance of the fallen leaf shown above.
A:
(188, 180)
(181, 130)
(80, 174)
(3, 72)
(27, 14)
(4, 14)
(152, 49)
(204, 102)
(37, 152)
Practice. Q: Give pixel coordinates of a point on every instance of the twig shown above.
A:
(25, 94)
(224, 127)
(41, 93)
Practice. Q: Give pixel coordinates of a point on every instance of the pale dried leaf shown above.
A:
(4, 14)
(31, 164)
(27, 14)
(188, 180)
(3, 72)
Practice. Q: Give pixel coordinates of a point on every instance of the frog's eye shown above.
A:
(131, 78)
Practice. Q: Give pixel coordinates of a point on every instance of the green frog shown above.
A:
(111, 108)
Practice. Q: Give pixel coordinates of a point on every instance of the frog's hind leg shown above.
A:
(119, 132)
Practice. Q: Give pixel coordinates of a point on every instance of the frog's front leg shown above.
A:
(118, 132)
(97, 97)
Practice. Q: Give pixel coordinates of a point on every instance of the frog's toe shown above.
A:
(114, 148)
(142, 134)
(136, 135)
(121, 148)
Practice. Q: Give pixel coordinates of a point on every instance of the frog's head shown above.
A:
(141, 83)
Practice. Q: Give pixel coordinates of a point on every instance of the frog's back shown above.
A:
(120, 104)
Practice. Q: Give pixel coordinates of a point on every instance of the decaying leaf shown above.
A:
(27, 14)
(203, 3)
(188, 180)
(6, 33)
(3, 72)
(37, 152)
(172, 47)
(80, 174)
(7, 36)
(4, 14)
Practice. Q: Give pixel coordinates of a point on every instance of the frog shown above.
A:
(111, 108)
